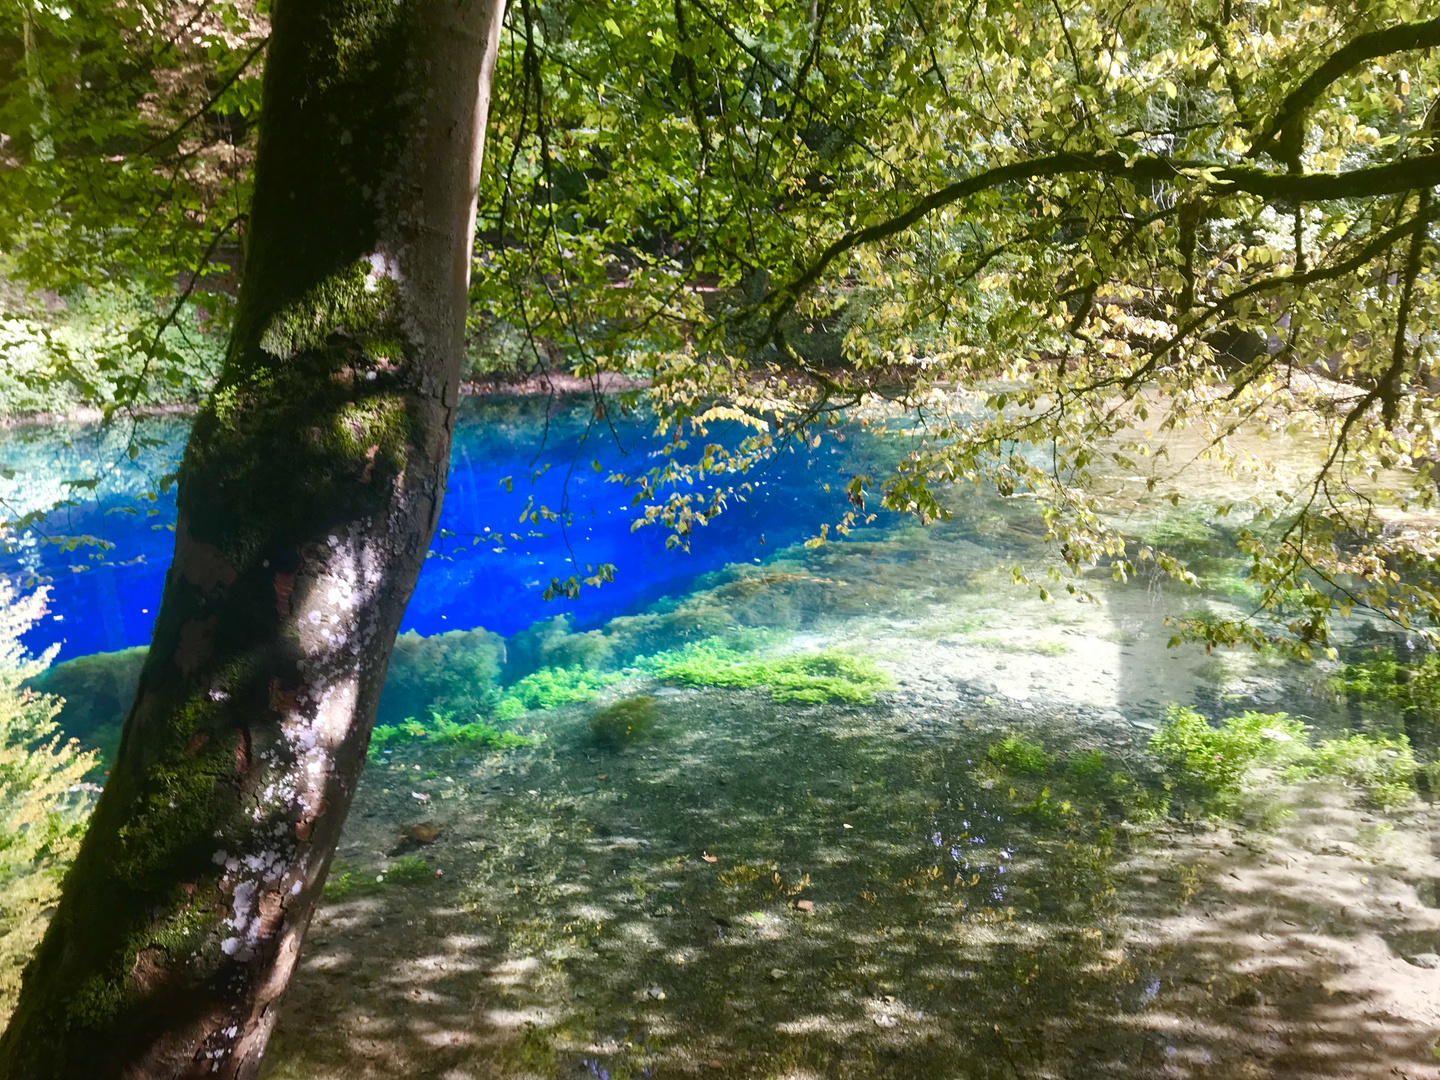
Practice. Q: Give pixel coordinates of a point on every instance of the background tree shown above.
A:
(43, 796)
(1204, 220)
(310, 488)
(127, 155)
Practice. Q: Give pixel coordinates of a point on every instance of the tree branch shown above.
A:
(1393, 39)
(1396, 176)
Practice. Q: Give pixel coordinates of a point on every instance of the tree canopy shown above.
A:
(1074, 248)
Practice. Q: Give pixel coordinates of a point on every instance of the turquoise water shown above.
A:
(981, 868)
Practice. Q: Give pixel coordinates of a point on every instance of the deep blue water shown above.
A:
(104, 603)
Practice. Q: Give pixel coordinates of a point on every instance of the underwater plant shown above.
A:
(1384, 768)
(409, 870)
(1019, 754)
(442, 731)
(97, 690)
(457, 672)
(800, 677)
(551, 687)
(626, 722)
(1211, 763)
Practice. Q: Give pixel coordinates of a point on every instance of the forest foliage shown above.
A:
(44, 800)
(1071, 250)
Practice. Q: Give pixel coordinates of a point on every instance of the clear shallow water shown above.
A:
(582, 910)
(105, 604)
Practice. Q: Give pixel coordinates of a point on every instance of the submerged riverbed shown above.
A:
(983, 870)
(867, 809)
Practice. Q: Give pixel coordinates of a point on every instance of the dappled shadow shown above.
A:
(579, 923)
(840, 891)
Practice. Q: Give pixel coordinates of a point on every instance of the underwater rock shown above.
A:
(1425, 960)
(427, 832)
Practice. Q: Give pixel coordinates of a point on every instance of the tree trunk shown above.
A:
(308, 496)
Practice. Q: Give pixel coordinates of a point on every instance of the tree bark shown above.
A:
(308, 496)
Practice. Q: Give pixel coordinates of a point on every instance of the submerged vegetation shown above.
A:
(624, 723)
(442, 732)
(812, 678)
(1214, 765)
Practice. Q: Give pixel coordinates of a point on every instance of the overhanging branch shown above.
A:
(1404, 175)
(1392, 39)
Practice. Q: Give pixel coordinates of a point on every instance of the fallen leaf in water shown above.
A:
(710, 858)
(603, 776)
(427, 832)
(716, 1063)
(804, 905)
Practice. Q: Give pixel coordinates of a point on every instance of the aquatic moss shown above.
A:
(443, 732)
(1087, 764)
(550, 643)
(550, 688)
(1212, 763)
(457, 672)
(409, 870)
(807, 677)
(1018, 754)
(341, 884)
(97, 689)
(626, 722)
(1384, 768)
(1186, 527)
(1375, 678)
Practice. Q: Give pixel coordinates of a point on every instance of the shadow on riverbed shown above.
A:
(580, 927)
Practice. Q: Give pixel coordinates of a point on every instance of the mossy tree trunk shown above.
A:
(308, 496)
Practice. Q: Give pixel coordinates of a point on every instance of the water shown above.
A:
(107, 603)
(865, 889)
(871, 887)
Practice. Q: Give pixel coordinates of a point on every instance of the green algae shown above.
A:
(1211, 764)
(809, 678)
(549, 688)
(1019, 754)
(624, 723)
(442, 732)
(1383, 768)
